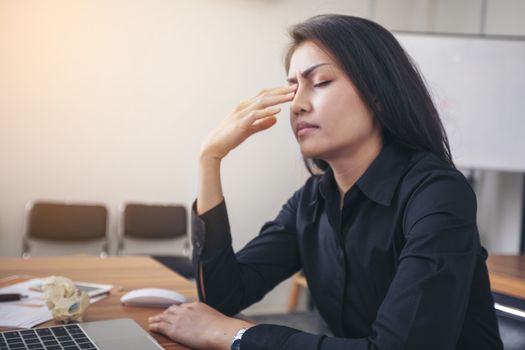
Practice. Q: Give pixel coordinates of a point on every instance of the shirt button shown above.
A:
(197, 244)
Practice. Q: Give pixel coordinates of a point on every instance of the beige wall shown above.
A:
(108, 101)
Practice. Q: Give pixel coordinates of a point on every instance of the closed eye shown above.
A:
(323, 83)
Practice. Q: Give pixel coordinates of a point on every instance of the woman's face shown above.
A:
(328, 117)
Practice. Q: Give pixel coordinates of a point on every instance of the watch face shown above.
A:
(236, 345)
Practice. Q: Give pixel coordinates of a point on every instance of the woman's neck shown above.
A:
(348, 169)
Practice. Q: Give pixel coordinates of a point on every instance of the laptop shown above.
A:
(117, 334)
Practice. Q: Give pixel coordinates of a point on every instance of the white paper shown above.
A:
(26, 312)
(17, 316)
(31, 311)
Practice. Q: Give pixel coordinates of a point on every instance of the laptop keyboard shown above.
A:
(70, 337)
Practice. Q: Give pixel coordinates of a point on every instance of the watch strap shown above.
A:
(236, 340)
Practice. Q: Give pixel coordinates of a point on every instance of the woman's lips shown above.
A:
(303, 128)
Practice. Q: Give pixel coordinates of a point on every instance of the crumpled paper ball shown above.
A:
(66, 302)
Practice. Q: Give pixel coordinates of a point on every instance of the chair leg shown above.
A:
(298, 282)
(294, 296)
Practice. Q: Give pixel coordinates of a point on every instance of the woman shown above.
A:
(385, 232)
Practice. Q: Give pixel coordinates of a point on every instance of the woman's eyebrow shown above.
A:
(306, 72)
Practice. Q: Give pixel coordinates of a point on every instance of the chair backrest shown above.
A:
(65, 222)
(152, 222)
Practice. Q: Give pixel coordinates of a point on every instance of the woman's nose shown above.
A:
(300, 103)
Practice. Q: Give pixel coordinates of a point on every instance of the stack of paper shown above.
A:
(32, 310)
(27, 312)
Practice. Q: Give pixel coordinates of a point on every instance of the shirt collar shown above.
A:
(380, 180)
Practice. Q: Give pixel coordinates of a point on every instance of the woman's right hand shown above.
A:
(249, 117)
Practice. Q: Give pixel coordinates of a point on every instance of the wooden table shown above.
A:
(125, 273)
(507, 274)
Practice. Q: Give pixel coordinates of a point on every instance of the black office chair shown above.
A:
(65, 223)
(158, 224)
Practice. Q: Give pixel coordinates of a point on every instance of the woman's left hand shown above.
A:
(197, 326)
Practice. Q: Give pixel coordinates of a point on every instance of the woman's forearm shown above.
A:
(249, 117)
(210, 187)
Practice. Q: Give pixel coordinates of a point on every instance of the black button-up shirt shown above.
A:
(400, 266)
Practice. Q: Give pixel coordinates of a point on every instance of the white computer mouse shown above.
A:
(152, 297)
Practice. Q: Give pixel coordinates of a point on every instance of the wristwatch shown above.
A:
(236, 340)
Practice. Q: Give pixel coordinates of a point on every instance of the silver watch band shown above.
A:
(236, 340)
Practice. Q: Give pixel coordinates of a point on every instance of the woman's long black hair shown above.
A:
(385, 76)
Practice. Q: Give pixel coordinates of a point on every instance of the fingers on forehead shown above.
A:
(283, 90)
(268, 101)
(276, 95)
(277, 90)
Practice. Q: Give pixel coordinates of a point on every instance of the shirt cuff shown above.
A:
(210, 231)
(271, 337)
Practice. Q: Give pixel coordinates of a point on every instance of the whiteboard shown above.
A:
(478, 86)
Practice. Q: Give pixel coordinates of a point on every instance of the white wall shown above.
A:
(499, 194)
(108, 100)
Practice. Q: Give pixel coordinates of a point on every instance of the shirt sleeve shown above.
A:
(231, 282)
(426, 302)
